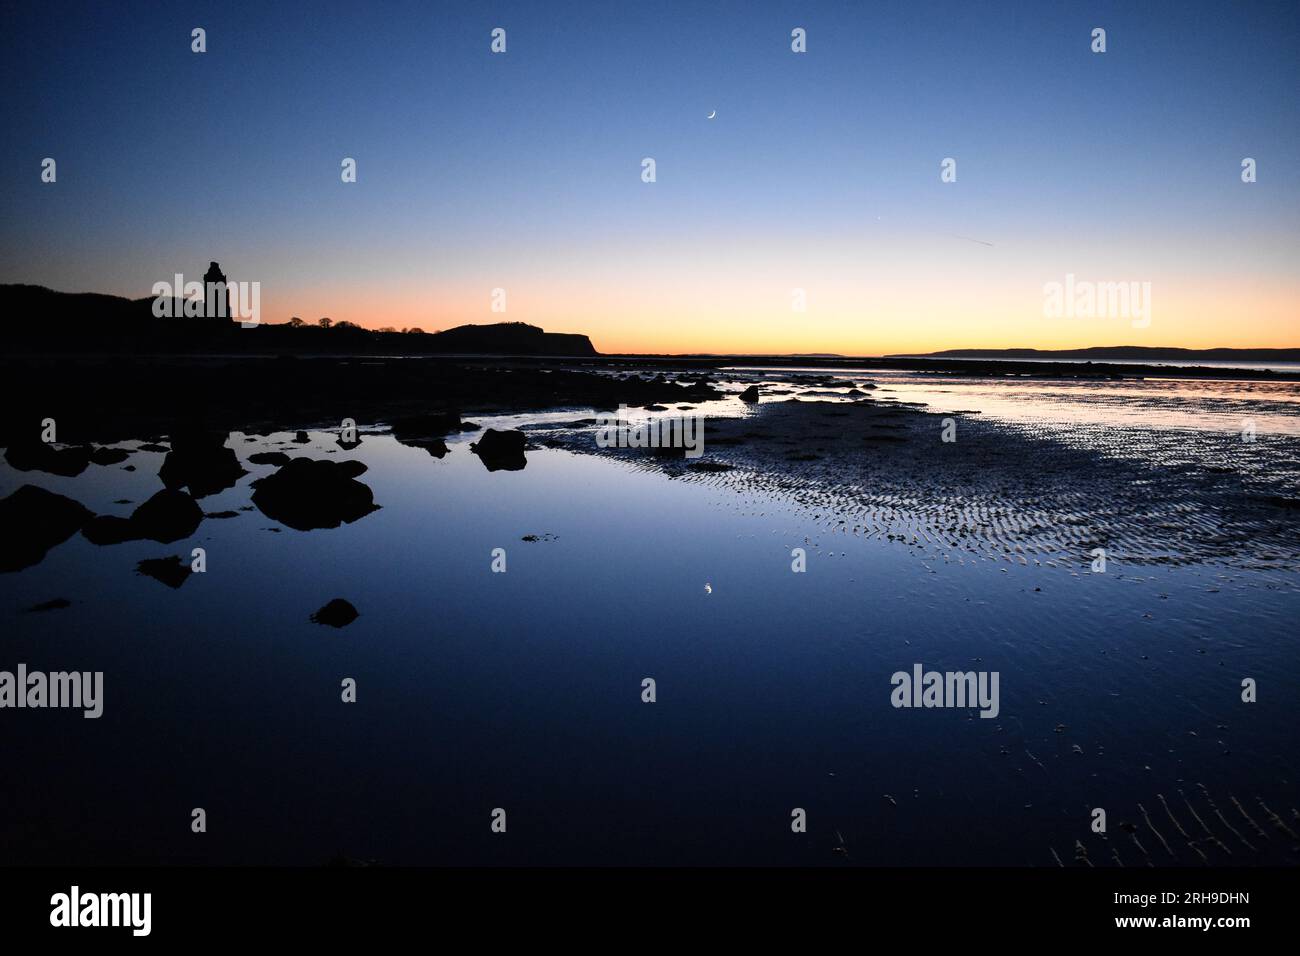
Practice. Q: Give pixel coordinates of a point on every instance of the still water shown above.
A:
(523, 690)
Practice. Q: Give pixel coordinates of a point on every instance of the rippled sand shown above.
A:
(1023, 491)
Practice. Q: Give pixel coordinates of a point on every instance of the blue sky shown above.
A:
(523, 170)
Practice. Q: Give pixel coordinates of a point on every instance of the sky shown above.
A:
(820, 171)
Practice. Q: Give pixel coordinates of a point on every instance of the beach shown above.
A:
(521, 689)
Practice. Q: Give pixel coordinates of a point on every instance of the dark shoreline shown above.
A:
(978, 368)
(111, 397)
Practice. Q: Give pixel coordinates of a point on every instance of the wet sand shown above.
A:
(1012, 493)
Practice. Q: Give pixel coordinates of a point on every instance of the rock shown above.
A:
(434, 446)
(270, 458)
(39, 456)
(348, 445)
(153, 446)
(427, 431)
(432, 425)
(171, 571)
(337, 613)
(306, 494)
(302, 438)
(109, 529)
(750, 394)
(109, 456)
(33, 521)
(56, 604)
(166, 517)
(200, 461)
(708, 466)
(501, 451)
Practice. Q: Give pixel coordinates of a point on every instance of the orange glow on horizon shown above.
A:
(694, 317)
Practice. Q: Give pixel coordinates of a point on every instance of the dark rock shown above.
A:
(302, 438)
(221, 514)
(166, 517)
(708, 466)
(200, 461)
(171, 571)
(750, 394)
(57, 604)
(501, 451)
(109, 456)
(109, 529)
(153, 446)
(33, 521)
(269, 458)
(337, 613)
(433, 425)
(39, 456)
(434, 446)
(306, 494)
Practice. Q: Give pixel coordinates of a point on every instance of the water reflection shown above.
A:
(522, 689)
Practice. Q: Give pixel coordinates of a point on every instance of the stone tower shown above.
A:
(216, 298)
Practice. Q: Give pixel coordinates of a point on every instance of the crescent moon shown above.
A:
(713, 114)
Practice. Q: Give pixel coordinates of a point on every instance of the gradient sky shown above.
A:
(522, 171)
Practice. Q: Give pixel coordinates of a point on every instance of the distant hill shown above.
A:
(42, 320)
(511, 338)
(1121, 353)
